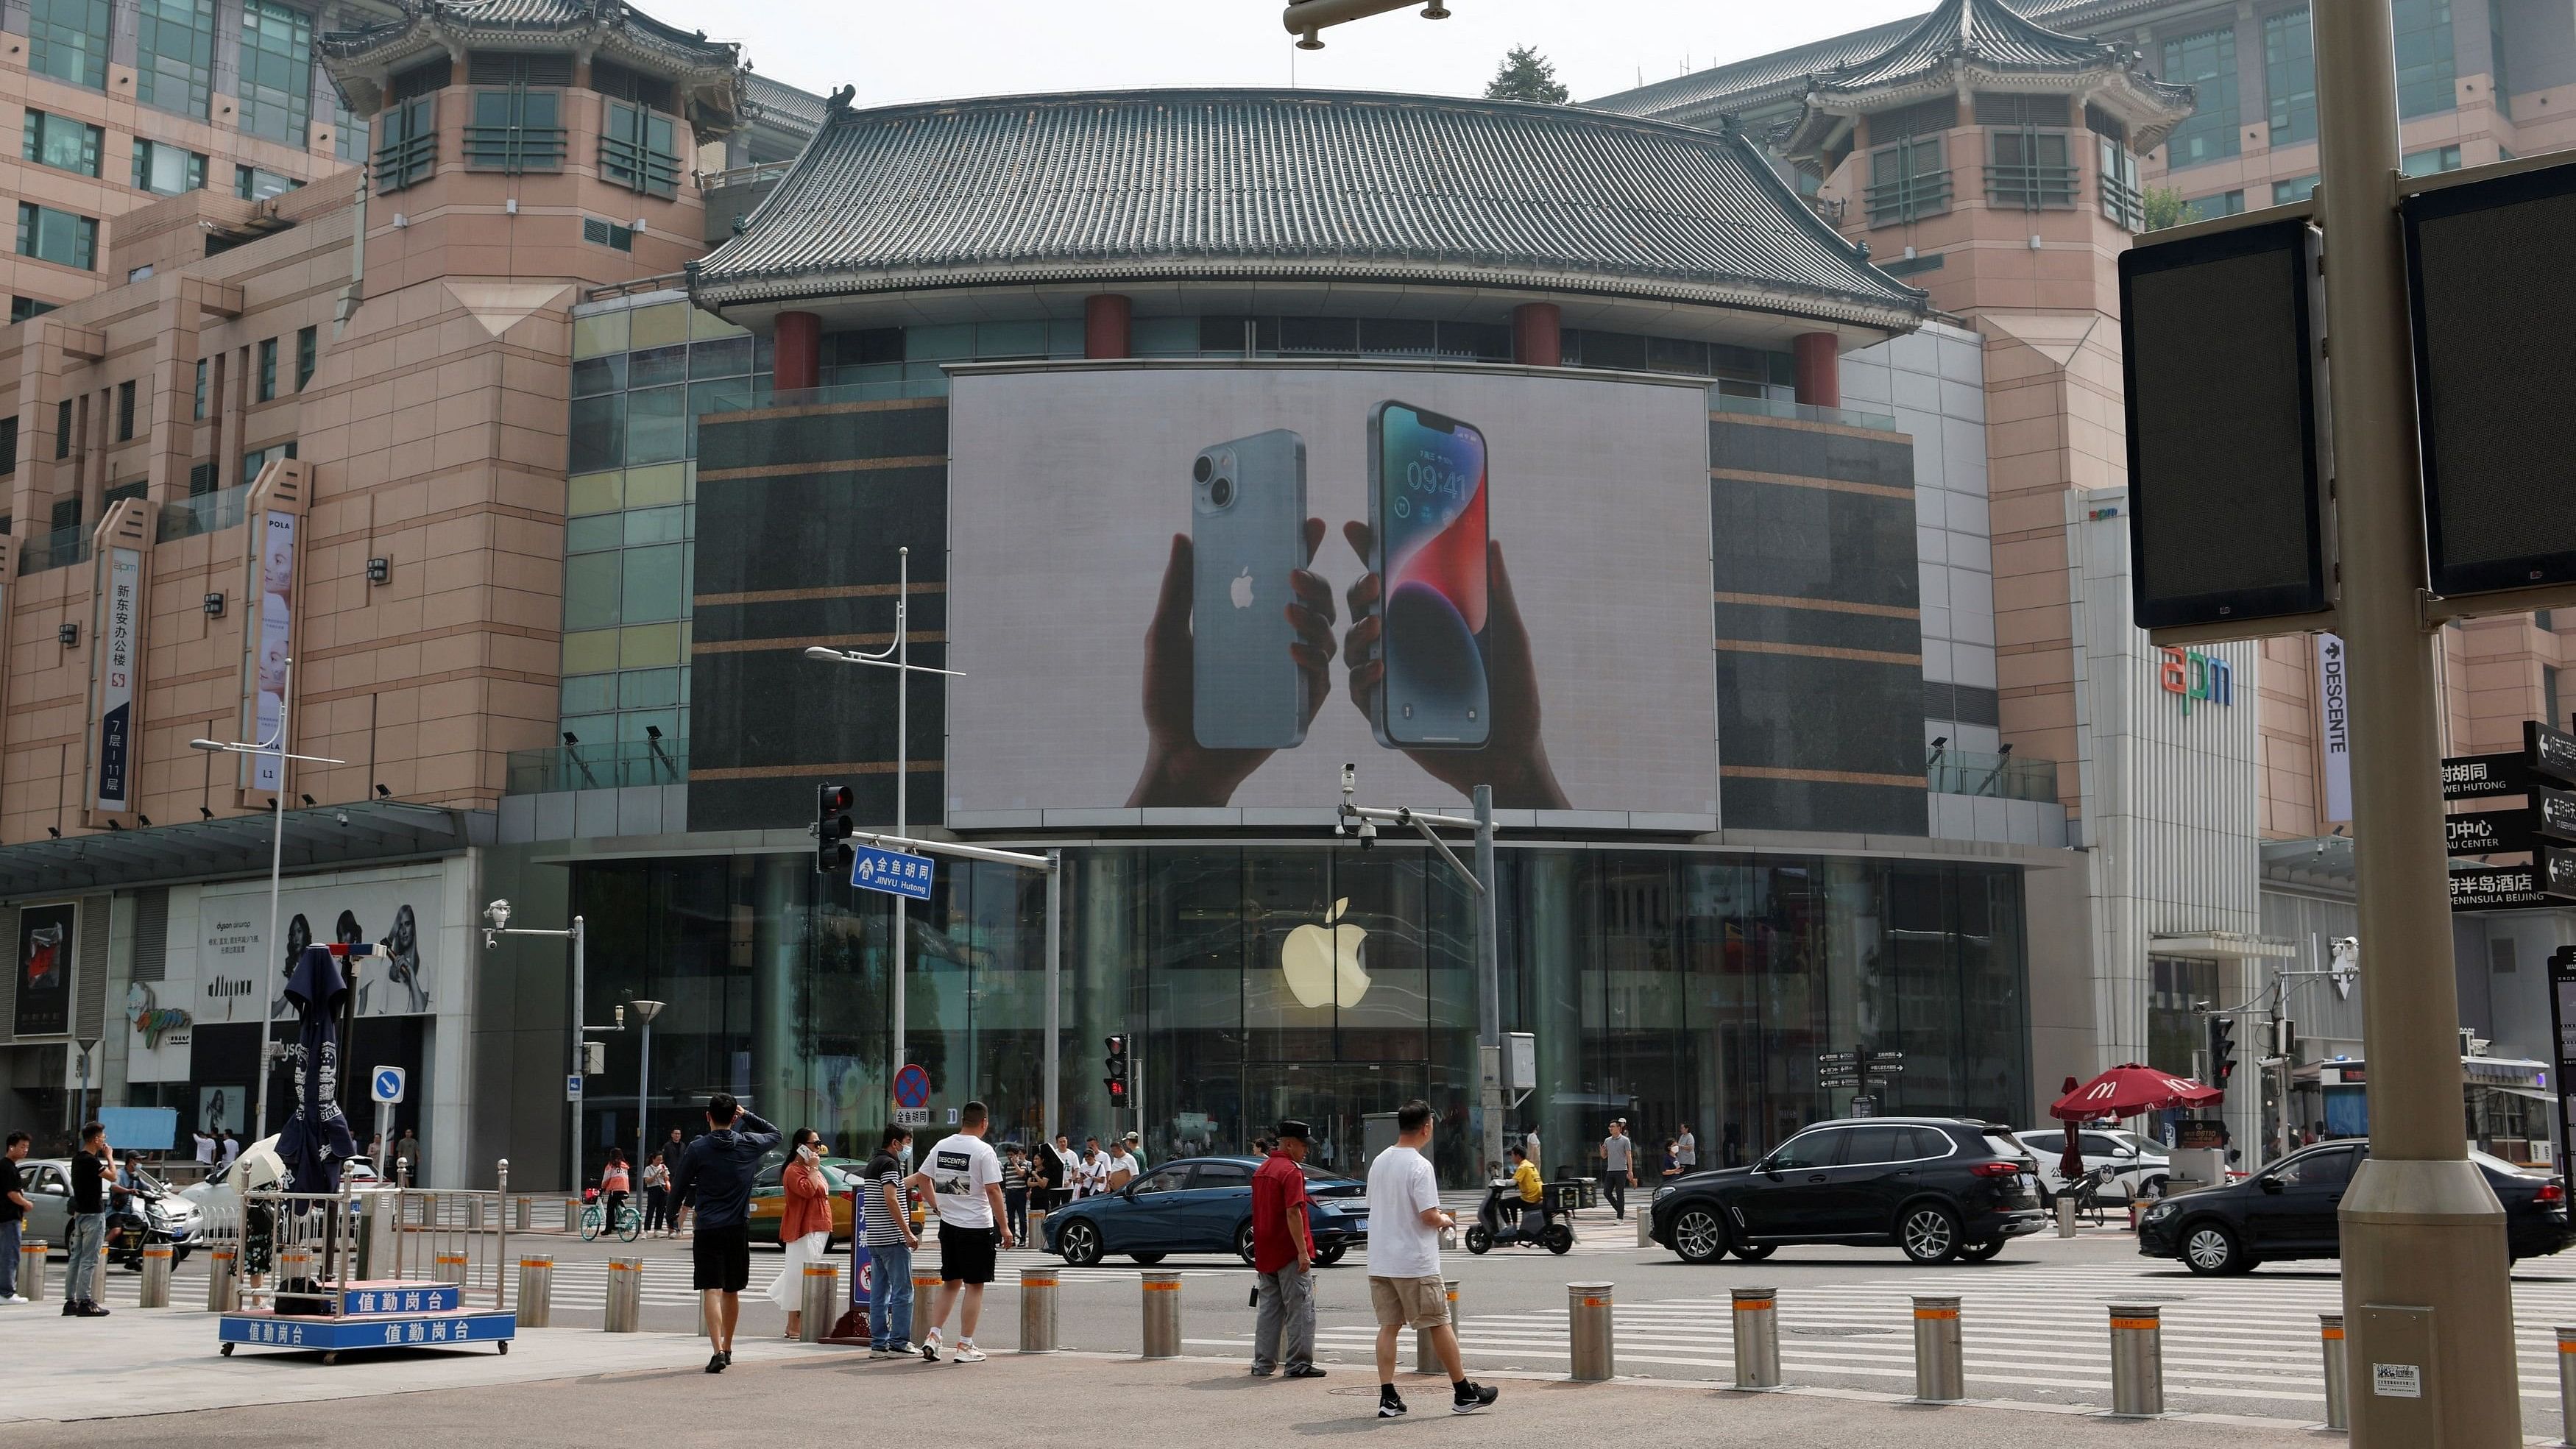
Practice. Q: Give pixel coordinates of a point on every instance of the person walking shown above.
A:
(1055, 1162)
(229, 1154)
(963, 1181)
(804, 1225)
(407, 1157)
(1091, 1174)
(93, 1168)
(671, 1151)
(1015, 1191)
(13, 1214)
(657, 1194)
(1405, 1224)
(716, 1173)
(1618, 1166)
(1672, 1159)
(886, 1229)
(1283, 1261)
(207, 1146)
(1122, 1169)
(1687, 1147)
(1136, 1149)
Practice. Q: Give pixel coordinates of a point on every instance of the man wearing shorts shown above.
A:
(963, 1180)
(1405, 1223)
(716, 1170)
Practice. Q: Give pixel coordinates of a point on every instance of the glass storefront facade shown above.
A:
(1668, 986)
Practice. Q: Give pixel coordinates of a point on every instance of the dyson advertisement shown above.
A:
(1205, 588)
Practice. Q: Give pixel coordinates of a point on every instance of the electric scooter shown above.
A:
(1529, 1225)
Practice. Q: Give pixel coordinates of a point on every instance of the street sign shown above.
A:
(2550, 819)
(385, 1084)
(2547, 759)
(2550, 880)
(912, 1086)
(572, 1087)
(912, 1116)
(1836, 1059)
(1877, 1057)
(1837, 1079)
(893, 872)
(1879, 1068)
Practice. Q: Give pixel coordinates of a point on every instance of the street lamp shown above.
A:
(645, 1011)
(1303, 18)
(275, 748)
(88, 1050)
(498, 913)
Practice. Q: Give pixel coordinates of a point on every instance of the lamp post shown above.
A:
(498, 913)
(274, 747)
(88, 1050)
(646, 1011)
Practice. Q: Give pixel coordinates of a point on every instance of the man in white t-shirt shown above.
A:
(1405, 1223)
(963, 1180)
(1122, 1169)
(1091, 1172)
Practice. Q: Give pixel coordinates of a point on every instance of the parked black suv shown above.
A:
(2287, 1210)
(1938, 1187)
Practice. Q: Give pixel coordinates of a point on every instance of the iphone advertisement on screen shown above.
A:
(1205, 588)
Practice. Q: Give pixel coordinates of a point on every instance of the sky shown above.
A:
(903, 50)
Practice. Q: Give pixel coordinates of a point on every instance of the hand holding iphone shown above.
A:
(1427, 513)
(1247, 534)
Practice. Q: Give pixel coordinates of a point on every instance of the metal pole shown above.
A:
(276, 867)
(1939, 1374)
(1426, 1359)
(2419, 1225)
(1587, 1317)
(1757, 1338)
(625, 1306)
(1037, 1310)
(1054, 997)
(1162, 1314)
(572, 1143)
(2566, 1384)
(902, 759)
(818, 1302)
(1489, 997)
(2137, 1361)
(2339, 1378)
(536, 1290)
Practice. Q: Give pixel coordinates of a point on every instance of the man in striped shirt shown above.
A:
(886, 1227)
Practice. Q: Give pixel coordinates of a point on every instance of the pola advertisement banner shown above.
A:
(240, 973)
(119, 618)
(272, 640)
(1205, 588)
(45, 968)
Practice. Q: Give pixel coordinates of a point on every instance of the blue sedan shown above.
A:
(1199, 1205)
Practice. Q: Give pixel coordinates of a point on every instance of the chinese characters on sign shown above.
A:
(120, 608)
(893, 872)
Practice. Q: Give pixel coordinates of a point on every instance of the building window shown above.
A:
(9, 444)
(608, 234)
(2431, 161)
(2549, 697)
(515, 130)
(407, 151)
(2290, 76)
(276, 71)
(2210, 208)
(250, 183)
(2424, 69)
(67, 39)
(258, 458)
(174, 56)
(2028, 168)
(22, 308)
(2121, 202)
(268, 370)
(63, 144)
(2297, 188)
(348, 133)
(2207, 63)
(166, 169)
(2495, 50)
(62, 430)
(199, 407)
(1908, 180)
(638, 150)
(308, 353)
(125, 411)
(57, 236)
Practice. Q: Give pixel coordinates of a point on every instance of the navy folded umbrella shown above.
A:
(316, 1139)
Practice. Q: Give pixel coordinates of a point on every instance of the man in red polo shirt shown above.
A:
(1283, 1255)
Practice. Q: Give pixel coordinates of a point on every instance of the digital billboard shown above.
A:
(1205, 587)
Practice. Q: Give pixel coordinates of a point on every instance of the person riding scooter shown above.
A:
(1516, 1213)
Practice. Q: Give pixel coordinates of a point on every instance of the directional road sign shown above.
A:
(572, 1087)
(894, 872)
(1836, 1059)
(385, 1084)
(912, 1086)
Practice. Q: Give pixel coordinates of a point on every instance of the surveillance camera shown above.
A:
(498, 913)
(344, 817)
(1350, 778)
(1368, 834)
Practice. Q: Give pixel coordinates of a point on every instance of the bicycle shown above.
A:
(629, 1222)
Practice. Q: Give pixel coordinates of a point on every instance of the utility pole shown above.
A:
(2427, 1302)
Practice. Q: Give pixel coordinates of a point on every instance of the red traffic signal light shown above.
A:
(833, 829)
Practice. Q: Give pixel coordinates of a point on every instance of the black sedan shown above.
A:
(2288, 1210)
(1199, 1205)
(1937, 1187)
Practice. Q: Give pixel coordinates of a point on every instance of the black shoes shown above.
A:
(83, 1310)
(1308, 1372)
(1469, 1397)
(1390, 1404)
(715, 1363)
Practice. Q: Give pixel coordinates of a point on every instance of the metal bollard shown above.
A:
(572, 1215)
(821, 1302)
(2137, 1361)
(1645, 1229)
(1037, 1310)
(2566, 1385)
(1939, 1375)
(1162, 1315)
(2330, 1337)
(2065, 1216)
(1426, 1359)
(156, 1277)
(294, 1269)
(451, 1267)
(223, 1281)
(527, 1215)
(536, 1292)
(474, 1214)
(1757, 1338)
(1587, 1314)
(31, 1270)
(625, 1296)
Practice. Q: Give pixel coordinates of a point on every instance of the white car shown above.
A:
(2138, 1166)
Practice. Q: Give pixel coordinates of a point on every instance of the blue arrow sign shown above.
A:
(387, 1083)
(912, 1086)
(891, 871)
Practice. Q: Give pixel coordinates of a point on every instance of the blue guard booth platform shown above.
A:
(375, 1316)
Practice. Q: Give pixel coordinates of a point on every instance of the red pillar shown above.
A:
(1819, 369)
(1537, 338)
(1107, 321)
(799, 362)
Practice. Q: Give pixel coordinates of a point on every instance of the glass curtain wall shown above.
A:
(1330, 984)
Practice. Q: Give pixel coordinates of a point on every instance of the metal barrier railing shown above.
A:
(456, 1236)
(301, 1251)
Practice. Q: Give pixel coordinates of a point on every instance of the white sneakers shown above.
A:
(967, 1352)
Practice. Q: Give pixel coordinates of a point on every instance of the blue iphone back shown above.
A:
(1247, 532)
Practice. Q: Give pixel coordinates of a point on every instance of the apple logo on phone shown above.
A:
(1242, 590)
(1322, 964)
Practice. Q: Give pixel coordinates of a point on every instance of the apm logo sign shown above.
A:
(2196, 676)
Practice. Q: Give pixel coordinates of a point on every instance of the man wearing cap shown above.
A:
(1283, 1257)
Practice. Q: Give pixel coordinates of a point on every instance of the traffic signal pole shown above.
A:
(2427, 1304)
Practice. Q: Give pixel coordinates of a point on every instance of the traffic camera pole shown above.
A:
(2419, 1224)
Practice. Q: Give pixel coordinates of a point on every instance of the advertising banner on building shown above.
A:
(272, 639)
(1199, 588)
(120, 619)
(2334, 730)
(241, 972)
(45, 968)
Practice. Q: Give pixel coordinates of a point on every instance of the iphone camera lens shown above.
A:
(1222, 493)
(1202, 468)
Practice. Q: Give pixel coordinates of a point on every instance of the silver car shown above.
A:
(47, 1183)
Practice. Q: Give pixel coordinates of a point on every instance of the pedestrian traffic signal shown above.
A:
(2222, 1050)
(1117, 1068)
(832, 830)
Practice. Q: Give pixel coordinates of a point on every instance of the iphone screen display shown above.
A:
(1427, 478)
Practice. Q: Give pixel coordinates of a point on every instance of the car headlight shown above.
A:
(1661, 1193)
(2161, 1211)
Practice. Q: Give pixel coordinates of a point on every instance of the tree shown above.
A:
(2163, 206)
(1526, 76)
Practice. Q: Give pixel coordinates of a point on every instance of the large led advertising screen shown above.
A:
(1206, 587)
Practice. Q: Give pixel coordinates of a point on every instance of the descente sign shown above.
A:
(2192, 675)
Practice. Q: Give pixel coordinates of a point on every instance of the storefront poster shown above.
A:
(119, 618)
(224, 1109)
(271, 642)
(242, 972)
(45, 968)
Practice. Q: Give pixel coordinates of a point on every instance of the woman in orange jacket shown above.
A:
(805, 1229)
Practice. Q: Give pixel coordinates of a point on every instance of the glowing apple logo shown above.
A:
(1322, 963)
(1242, 590)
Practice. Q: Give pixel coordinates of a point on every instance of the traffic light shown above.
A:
(2222, 1050)
(1117, 1068)
(2285, 1038)
(832, 830)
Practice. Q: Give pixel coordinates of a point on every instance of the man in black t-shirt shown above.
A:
(93, 1167)
(13, 1216)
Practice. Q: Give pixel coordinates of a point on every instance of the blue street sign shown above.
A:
(912, 1086)
(387, 1084)
(891, 871)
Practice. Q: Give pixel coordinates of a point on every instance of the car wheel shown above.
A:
(1699, 1235)
(2211, 1249)
(1079, 1243)
(1929, 1233)
(1559, 1239)
(1243, 1242)
(1334, 1254)
(1981, 1252)
(1755, 1252)
(1479, 1241)
(1148, 1259)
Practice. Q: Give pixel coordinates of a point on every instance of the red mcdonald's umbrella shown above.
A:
(2129, 1089)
